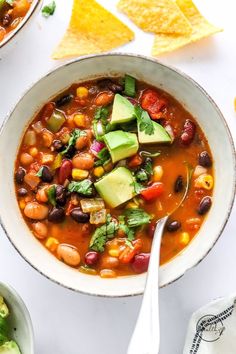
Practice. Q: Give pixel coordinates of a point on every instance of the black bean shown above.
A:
(47, 175)
(179, 184)
(64, 100)
(204, 205)
(109, 84)
(22, 192)
(6, 20)
(57, 144)
(204, 159)
(70, 152)
(56, 215)
(20, 174)
(79, 216)
(61, 195)
(116, 87)
(173, 226)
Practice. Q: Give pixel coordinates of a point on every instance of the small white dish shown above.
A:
(21, 329)
(14, 36)
(185, 90)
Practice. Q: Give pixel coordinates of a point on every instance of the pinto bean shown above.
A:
(109, 262)
(83, 161)
(81, 142)
(69, 254)
(41, 195)
(36, 211)
(104, 98)
(40, 230)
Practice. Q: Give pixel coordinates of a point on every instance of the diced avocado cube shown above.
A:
(121, 144)
(116, 187)
(4, 312)
(160, 135)
(10, 348)
(123, 110)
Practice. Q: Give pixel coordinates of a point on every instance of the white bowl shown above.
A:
(14, 36)
(21, 329)
(185, 90)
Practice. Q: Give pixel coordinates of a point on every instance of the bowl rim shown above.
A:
(184, 75)
(23, 307)
(25, 20)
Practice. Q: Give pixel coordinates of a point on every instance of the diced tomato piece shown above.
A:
(128, 253)
(47, 111)
(153, 192)
(135, 161)
(153, 103)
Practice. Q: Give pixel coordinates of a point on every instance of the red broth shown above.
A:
(52, 159)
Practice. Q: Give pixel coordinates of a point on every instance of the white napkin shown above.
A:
(212, 329)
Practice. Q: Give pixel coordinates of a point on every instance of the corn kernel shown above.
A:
(33, 151)
(52, 244)
(22, 204)
(78, 174)
(131, 205)
(87, 270)
(204, 181)
(98, 171)
(80, 120)
(114, 252)
(107, 273)
(82, 92)
(157, 173)
(184, 238)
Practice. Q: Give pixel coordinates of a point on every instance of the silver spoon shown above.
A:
(146, 335)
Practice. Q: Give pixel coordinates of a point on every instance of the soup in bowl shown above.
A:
(102, 161)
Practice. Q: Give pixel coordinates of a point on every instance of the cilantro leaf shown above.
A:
(138, 188)
(144, 121)
(102, 234)
(101, 114)
(129, 232)
(136, 217)
(142, 175)
(74, 136)
(103, 157)
(51, 192)
(48, 10)
(84, 187)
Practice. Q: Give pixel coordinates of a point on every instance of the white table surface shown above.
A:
(69, 323)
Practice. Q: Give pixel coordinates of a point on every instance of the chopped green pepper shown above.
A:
(56, 121)
(130, 86)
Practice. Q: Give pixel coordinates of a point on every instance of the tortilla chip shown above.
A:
(164, 43)
(158, 16)
(92, 29)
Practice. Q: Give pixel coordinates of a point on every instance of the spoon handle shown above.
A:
(146, 335)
